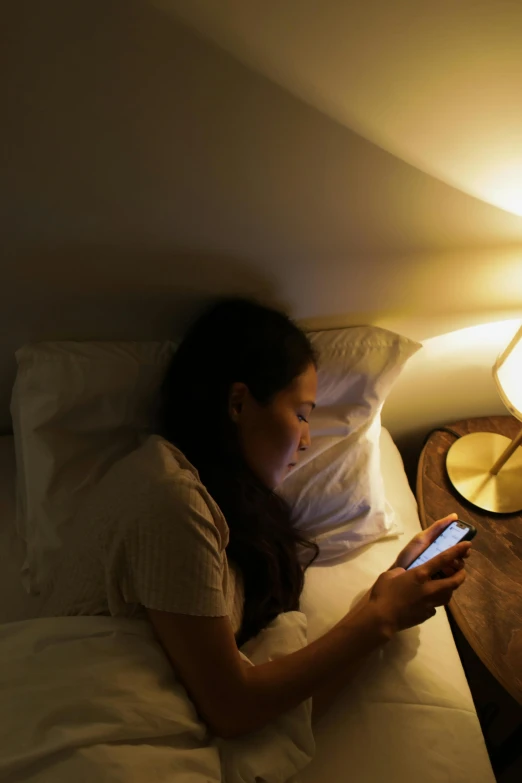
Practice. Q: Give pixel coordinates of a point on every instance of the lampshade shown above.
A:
(507, 372)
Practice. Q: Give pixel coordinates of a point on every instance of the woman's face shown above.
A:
(272, 435)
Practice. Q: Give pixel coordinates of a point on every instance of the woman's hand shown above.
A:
(422, 540)
(402, 598)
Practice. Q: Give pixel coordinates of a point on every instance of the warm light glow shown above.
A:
(494, 335)
(500, 182)
(508, 375)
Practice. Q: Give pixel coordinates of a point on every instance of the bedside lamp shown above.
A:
(484, 467)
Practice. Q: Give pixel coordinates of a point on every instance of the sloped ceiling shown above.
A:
(438, 84)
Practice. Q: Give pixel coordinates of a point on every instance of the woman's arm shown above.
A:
(234, 699)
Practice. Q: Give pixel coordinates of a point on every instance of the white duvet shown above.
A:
(95, 699)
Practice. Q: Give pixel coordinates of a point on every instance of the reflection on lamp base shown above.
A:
(469, 462)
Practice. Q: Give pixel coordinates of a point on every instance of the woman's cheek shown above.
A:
(294, 438)
(284, 437)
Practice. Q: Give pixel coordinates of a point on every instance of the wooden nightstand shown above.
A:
(488, 606)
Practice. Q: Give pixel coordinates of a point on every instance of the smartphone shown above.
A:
(455, 532)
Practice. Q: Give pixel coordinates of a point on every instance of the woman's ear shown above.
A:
(236, 399)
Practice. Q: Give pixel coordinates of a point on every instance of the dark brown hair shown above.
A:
(240, 340)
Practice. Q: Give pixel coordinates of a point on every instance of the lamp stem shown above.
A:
(510, 450)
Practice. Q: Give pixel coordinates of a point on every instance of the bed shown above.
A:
(408, 716)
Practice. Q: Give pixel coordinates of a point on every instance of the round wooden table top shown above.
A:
(488, 606)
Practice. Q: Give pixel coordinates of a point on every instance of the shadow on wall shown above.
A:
(101, 293)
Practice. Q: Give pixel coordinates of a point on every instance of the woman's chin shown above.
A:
(283, 474)
(275, 480)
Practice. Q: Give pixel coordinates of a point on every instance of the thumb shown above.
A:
(436, 528)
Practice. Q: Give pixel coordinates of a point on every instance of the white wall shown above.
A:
(146, 170)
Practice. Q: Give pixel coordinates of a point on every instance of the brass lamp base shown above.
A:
(469, 463)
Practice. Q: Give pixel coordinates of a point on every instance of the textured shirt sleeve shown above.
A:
(171, 555)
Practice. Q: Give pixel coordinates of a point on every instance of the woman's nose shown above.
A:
(305, 441)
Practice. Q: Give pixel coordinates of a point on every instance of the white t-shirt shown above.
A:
(150, 535)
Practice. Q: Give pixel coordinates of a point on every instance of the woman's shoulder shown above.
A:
(155, 464)
(157, 479)
(160, 459)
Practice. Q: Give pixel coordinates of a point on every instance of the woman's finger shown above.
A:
(438, 587)
(456, 565)
(443, 560)
(442, 597)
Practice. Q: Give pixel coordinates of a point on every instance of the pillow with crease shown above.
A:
(336, 490)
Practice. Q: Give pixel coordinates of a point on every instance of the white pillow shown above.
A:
(337, 490)
(79, 407)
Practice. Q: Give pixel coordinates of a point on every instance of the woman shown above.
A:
(189, 531)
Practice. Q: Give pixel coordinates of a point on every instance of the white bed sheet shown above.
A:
(409, 714)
